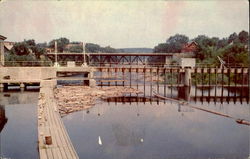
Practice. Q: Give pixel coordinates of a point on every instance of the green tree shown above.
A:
(20, 48)
(233, 38)
(243, 37)
(173, 44)
(90, 47)
(176, 42)
(234, 54)
(109, 49)
(77, 49)
(61, 43)
(163, 47)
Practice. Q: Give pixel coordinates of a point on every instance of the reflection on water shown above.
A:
(3, 119)
(161, 130)
(130, 99)
(124, 136)
(18, 125)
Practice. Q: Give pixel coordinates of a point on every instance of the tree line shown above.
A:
(232, 49)
(29, 50)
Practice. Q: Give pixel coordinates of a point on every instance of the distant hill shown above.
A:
(135, 50)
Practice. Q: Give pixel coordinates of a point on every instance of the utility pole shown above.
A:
(84, 54)
(56, 63)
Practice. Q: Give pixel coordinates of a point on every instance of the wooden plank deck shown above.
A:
(50, 124)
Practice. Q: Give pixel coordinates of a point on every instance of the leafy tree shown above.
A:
(222, 43)
(30, 42)
(109, 49)
(90, 47)
(233, 38)
(163, 47)
(178, 38)
(234, 53)
(173, 44)
(28, 47)
(243, 37)
(77, 49)
(20, 48)
(61, 43)
(42, 45)
(176, 43)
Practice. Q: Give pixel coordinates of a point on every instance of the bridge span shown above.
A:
(109, 57)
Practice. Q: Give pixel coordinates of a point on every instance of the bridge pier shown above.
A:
(186, 77)
(184, 93)
(3, 86)
(22, 87)
(1, 53)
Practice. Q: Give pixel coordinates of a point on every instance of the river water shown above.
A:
(19, 131)
(135, 128)
(123, 129)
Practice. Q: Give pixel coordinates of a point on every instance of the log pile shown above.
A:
(76, 98)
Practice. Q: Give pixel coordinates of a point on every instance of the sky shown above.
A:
(121, 24)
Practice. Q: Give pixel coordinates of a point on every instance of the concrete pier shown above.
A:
(187, 77)
(33, 75)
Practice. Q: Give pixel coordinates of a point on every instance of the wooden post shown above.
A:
(202, 76)
(48, 140)
(248, 83)
(130, 76)
(165, 82)
(137, 80)
(101, 76)
(123, 76)
(195, 72)
(144, 82)
(242, 82)
(209, 84)
(222, 87)
(229, 81)
(151, 82)
(116, 76)
(215, 89)
(235, 82)
(171, 70)
(158, 78)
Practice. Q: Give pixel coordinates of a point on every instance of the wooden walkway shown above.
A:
(51, 125)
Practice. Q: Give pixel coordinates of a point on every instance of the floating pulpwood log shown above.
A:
(71, 99)
(242, 121)
(184, 103)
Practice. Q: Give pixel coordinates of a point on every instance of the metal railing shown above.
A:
(28, 63)
(113, 64)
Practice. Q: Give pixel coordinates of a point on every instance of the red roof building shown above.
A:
(189, 47)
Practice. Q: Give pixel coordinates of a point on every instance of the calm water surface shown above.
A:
(133, 130)
(160, 130)
(19, 133)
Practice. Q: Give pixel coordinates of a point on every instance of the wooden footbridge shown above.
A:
(53, 139)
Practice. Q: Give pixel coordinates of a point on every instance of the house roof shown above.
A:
(2, 37)
(8, 45)
(192, 42)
